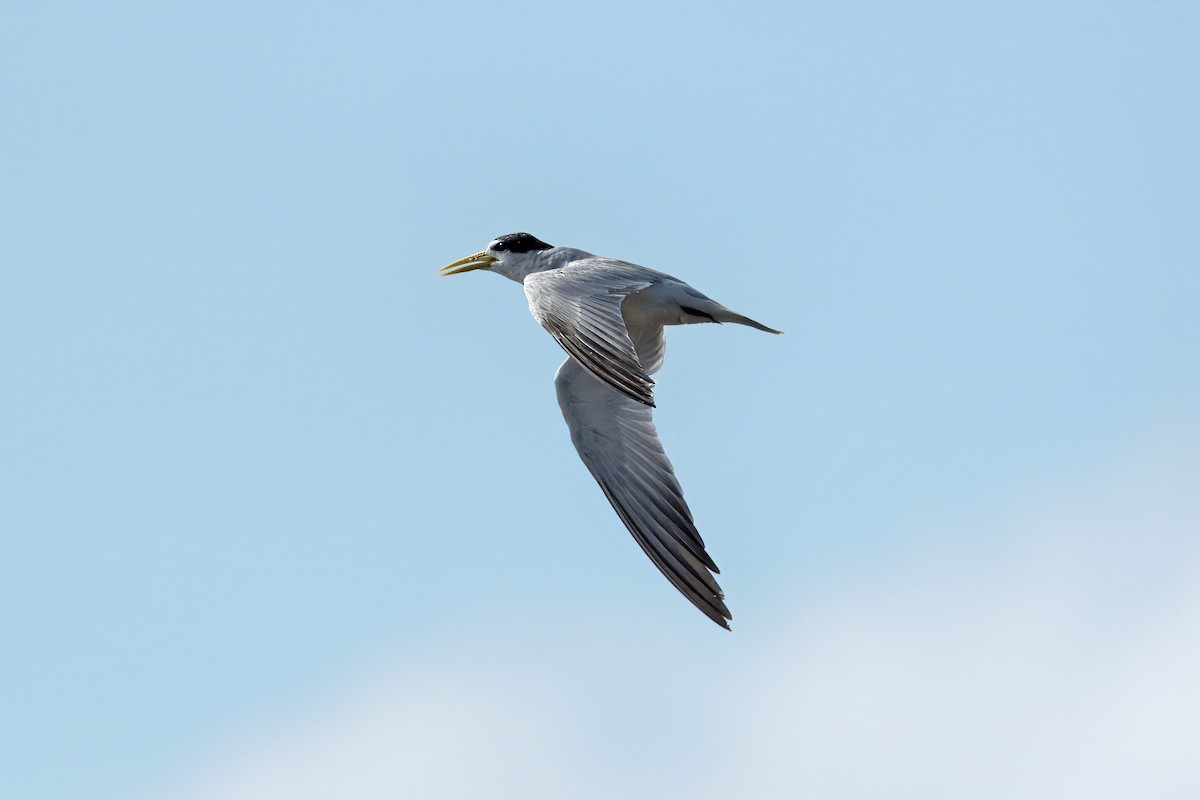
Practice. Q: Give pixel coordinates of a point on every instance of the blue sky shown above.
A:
(283, 514)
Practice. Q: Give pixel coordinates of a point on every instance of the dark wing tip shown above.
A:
(716, 610)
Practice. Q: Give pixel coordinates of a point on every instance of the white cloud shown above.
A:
(991, 699)
(443, 733)
(1068, 668)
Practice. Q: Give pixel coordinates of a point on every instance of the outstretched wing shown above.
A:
(580, 305)
(616, 439)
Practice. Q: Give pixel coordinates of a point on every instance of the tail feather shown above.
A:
(705, 308)
(745, 320)
(725, 315)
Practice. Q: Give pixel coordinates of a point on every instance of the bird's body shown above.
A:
(609, 317)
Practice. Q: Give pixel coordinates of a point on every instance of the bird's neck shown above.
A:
(554, 258)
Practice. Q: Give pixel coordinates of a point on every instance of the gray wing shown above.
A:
(580, 305)
(616, 439)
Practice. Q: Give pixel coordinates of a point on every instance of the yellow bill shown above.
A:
(480, 260)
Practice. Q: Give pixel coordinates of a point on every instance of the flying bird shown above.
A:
(609, 316)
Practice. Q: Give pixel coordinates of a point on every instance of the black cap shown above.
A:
(519, 243)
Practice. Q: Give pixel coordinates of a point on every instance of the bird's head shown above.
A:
(513, 255)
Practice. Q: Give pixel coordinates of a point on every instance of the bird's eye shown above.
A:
(500, 247)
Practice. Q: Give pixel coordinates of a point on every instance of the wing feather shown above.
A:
(580, 305)
(616, 439)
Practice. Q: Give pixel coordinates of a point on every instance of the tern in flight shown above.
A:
(609, 316)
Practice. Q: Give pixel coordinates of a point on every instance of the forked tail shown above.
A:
(730, 316)
(712, 310)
